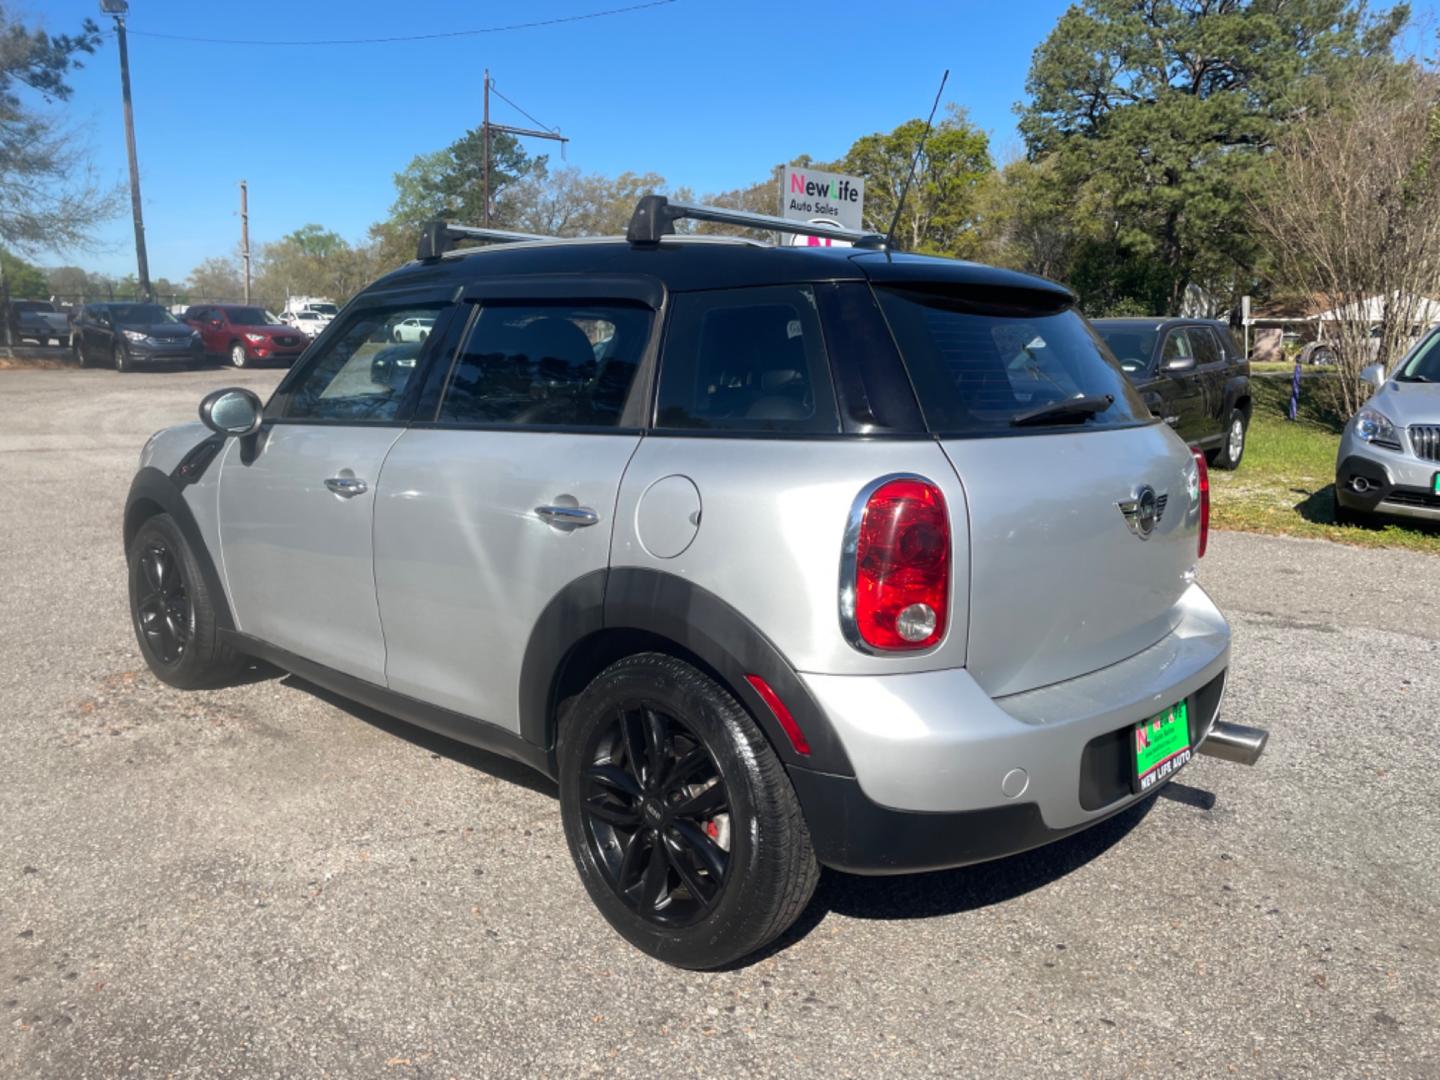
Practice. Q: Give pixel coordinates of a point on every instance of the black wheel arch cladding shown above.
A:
(658, 610)
(153, 492)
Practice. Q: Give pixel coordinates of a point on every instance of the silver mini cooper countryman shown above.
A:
(772, 557)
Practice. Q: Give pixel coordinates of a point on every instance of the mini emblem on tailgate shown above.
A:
(1143, 512)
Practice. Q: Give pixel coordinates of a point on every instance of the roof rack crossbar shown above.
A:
(438, 237)
(655, 216)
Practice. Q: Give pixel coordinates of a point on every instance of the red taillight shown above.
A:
(902, 566)
(772, 699)
(1204, 473)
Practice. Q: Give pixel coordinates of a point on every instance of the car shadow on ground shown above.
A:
(905, 896)
(502, 768)
(1318, 507)
(953, 892)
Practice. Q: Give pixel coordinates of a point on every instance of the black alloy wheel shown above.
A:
(167, 619)
(173, 611)
(681, 819)
(657, 815)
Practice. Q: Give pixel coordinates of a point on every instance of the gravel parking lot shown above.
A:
(263, 881)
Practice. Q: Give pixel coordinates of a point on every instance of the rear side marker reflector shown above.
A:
(782, 714)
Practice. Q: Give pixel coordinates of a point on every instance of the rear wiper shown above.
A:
(1060, 411)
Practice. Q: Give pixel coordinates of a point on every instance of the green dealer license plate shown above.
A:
(1161, 746)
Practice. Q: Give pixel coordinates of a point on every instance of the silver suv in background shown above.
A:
(1389, 457)
(773, 557)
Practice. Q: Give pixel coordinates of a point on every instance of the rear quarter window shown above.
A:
(747, 360)
(977, 365)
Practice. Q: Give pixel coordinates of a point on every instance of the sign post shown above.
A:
(823, 199)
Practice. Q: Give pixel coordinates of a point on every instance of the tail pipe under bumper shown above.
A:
(1235, 742)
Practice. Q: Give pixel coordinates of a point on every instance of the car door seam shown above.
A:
(374, 581)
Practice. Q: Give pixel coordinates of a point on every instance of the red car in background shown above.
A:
(245, 334)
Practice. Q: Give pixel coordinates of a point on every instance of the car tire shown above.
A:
(238, 357)
(1232, 450)
(121, 359)
(659, 763)
(172, 611)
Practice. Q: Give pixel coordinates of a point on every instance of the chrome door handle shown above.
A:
(347, 486)
(574, 517)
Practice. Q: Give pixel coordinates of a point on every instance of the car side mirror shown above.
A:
(232, 411)
(1374, 374)
(1174, 365)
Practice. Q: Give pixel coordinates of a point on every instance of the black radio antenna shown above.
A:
(914, 163)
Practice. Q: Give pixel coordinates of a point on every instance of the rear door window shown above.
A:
(977, 366)
(547, 365)
(1207, 349)
(746, 360)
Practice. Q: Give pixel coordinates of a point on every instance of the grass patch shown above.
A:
(1286, 483)
(1272, 367)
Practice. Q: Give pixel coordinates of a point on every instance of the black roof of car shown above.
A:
(686, 263)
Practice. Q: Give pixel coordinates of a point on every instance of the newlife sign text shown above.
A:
(821, 198)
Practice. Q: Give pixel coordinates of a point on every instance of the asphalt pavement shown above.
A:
(265, 881)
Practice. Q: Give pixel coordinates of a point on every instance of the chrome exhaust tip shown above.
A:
(1235, 742)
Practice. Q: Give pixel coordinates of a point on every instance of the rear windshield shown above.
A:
(33, 305)
(977, 367)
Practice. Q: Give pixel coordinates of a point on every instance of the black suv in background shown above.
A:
(1192, 374)
(125, 335)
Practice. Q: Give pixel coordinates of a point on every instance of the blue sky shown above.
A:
(709, 95)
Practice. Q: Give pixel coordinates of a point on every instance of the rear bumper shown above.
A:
(946, 775)
(852, 833)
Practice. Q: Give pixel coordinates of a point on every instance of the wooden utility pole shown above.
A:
(245, 235)
(486, 127)
(485, 141)
(142, 263)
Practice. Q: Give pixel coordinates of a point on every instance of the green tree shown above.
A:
(940, 212)
(312, 261)
(47, 197)
(69, 282)
(567, 202)
(1159, 111)
(217, 278)
(449, 184)
(21, 279)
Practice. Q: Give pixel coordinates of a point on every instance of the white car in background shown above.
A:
(416, 328)
(309, 323)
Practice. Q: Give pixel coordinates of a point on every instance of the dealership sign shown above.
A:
(821, 198)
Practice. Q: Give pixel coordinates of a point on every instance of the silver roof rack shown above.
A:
(656, 215)
(438, 237)
(654, 218)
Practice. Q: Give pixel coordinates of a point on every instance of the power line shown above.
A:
(411, 37)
